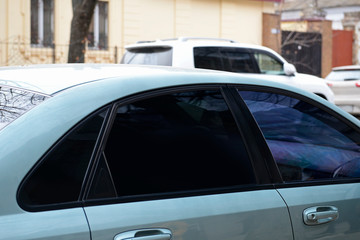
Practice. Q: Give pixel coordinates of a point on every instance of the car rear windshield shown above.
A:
(344, 75)
(15, 102)
(148, 56)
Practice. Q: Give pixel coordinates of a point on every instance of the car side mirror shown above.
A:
(289, 69)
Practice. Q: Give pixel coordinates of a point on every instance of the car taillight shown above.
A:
(357, 84)
(329, 84)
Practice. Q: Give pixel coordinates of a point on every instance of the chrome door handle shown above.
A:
(320, 215)
(145, 234)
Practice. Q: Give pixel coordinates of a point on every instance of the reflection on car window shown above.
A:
(225, 59)
(178, 142)
(15, 102)
(306, 142)
(268, 64)
(59, 177)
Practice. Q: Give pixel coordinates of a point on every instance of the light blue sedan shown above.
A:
(154, 153)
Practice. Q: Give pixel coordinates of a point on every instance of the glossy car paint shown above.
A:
(345, 197)
(69, 224)
(245, 215)
(36, 131)
(183, 56)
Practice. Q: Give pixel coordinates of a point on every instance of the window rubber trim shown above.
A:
(147, 197)
(178, 194)
(319, 182)
(96, 153)
(73, 204)
(265, 168)
(308, 100)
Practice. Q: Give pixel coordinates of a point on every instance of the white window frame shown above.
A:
(40, 24)
(96, 26)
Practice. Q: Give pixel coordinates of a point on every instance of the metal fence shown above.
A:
(20, 53)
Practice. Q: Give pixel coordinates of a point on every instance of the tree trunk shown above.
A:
(82, 14)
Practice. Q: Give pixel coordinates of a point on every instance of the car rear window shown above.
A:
(15, 102)
(228, 59)
(344, 75)
(148, 56)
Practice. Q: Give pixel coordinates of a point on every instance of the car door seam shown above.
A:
(288, 209)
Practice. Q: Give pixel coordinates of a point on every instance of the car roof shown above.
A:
(92, 86)
(195, 42)
(199, 42)
(52, 78)
(348, 67)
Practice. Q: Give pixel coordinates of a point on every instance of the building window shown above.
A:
(98, 30)
(42, 22)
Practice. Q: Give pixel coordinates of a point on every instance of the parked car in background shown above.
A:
(224, 55)
(345, 83)
(158, 153)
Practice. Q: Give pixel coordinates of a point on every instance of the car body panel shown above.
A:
(316, 86)
(29, 137)
(50, 80)
(69, 224)
(345, 197)
(233, 216)
(54, 117)
(183, 56)
(59, 113)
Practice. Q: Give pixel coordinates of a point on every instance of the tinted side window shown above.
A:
(306, 142)
(149, 56)
(59, 177)
(178, 142)
(268, 64)
(224, 59)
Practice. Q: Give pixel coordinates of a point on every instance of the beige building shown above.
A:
(38, 31)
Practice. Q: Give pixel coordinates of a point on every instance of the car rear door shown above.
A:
(318, 154)
(174, 165)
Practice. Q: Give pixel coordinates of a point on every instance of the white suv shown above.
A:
(224, 55)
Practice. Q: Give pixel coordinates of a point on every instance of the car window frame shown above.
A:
(78, 202)
(269, 54)
(239, 49)
(263, 179)
(264, 166)
(275, 170)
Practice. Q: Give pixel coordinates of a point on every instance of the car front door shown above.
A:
(175, 166)
(318, 154)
